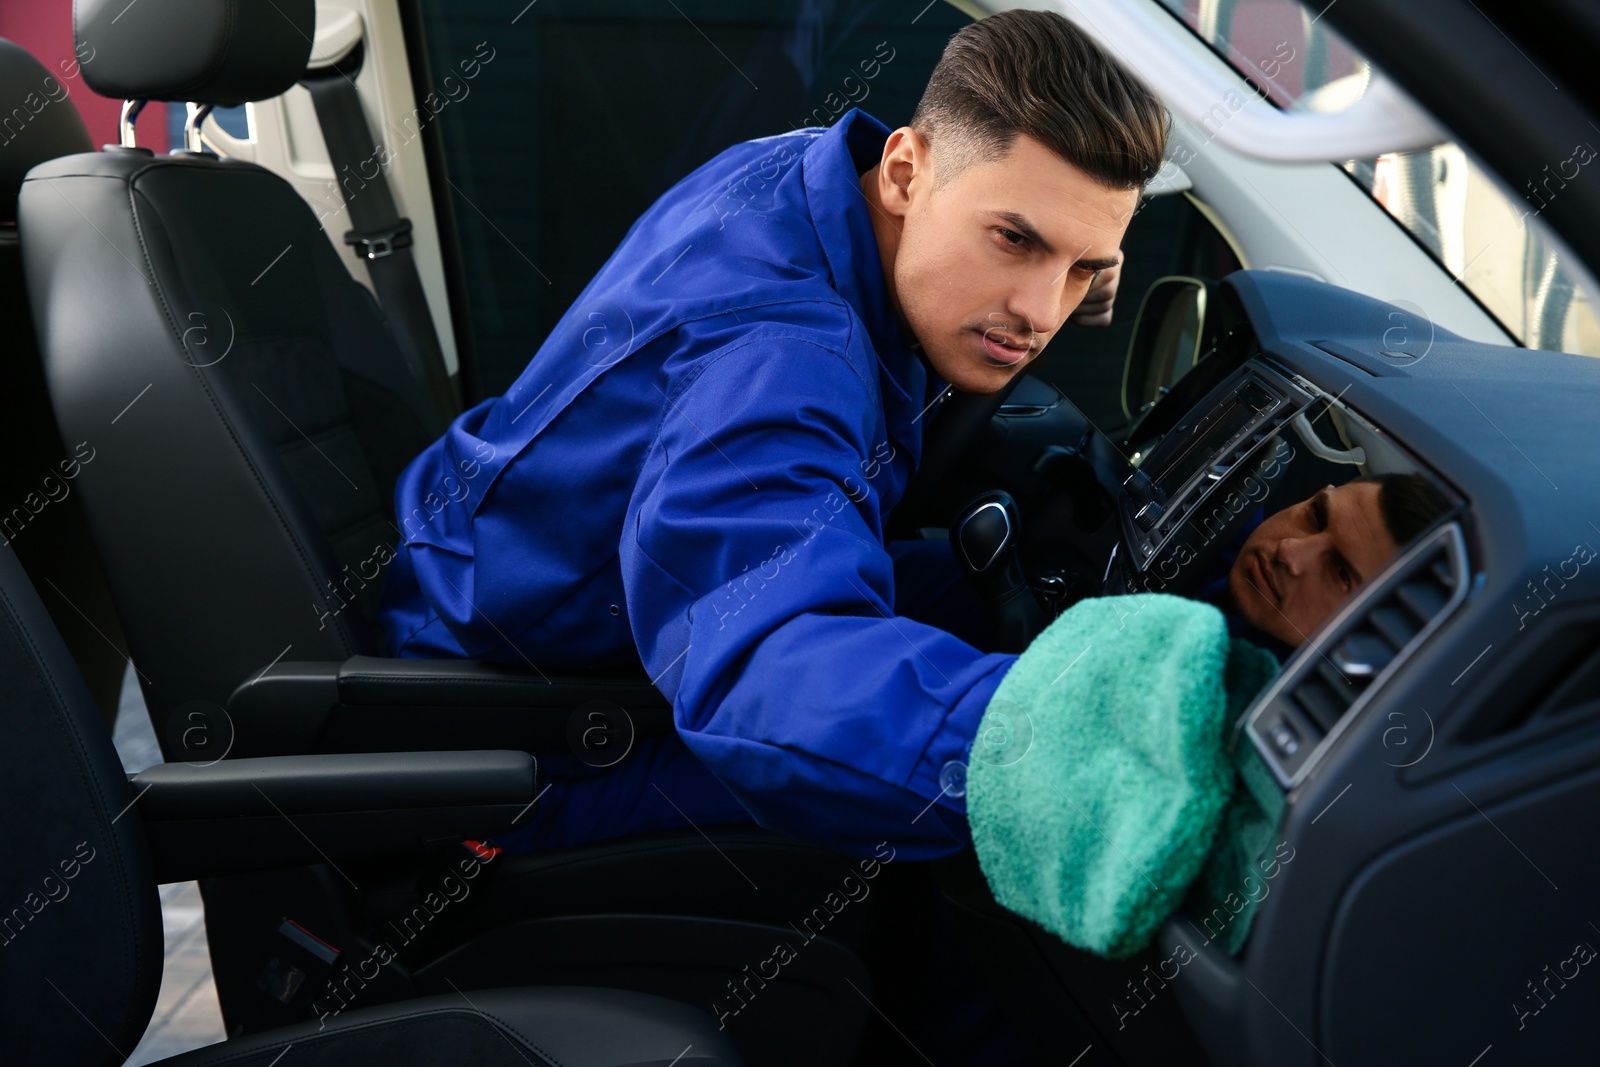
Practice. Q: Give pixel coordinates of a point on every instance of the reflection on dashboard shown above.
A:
(1300, 564)
(1275, 502)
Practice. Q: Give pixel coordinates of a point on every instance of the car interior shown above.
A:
(214, 387)
(99, 959)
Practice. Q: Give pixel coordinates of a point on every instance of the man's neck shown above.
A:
(886, 230)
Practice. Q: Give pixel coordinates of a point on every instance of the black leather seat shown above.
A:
(41, 514)
(250, 408)
(255, 413)
(81, 932)
(251, 413)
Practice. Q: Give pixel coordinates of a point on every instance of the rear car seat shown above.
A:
(41, 514)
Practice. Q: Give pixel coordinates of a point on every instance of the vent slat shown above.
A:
(1321, 703)
(1394, 623)
(1344, 686)
(1362, 655)
(1422, 598)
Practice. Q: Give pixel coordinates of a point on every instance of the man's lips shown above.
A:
(1262, 579)
(1003, 349)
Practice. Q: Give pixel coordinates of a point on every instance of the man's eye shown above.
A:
(1011, 237)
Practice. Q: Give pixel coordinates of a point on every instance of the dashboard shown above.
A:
(1225, 456)
(1432, 748)
(1256, 443)
(1262, 438)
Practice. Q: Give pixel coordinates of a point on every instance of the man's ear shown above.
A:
(905, 157)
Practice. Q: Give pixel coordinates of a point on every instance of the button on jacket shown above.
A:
(693, 473)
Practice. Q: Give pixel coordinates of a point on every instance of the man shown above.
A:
(1298, 566)
(695, 469)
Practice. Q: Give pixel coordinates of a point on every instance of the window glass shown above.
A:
(235, 121)
(1458, 212)
(1280, 46)
(1449, 204)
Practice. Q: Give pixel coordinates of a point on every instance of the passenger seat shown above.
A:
(250, 408)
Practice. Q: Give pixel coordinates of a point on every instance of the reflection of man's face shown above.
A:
(1298, 566)
(987, 268)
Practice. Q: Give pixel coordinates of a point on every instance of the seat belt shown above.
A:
(379, 234)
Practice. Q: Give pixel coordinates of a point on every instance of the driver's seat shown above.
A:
(252, 412)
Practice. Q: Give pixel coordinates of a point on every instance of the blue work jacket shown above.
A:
(693, 473)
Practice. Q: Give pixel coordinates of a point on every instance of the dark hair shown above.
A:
(1034, 72)
(1409, 503)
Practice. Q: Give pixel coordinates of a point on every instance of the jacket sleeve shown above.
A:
(762, 600)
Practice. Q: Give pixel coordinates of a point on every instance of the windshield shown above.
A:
(1443, 198)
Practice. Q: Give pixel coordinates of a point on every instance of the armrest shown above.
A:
(372, 704)
(240, 815)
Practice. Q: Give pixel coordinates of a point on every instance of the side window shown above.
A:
(582, 112)
(1168, 235)
(235, 121)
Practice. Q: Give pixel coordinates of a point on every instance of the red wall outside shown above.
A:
(44, 27)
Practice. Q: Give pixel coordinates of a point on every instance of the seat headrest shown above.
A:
(37, 122)
(222, 52)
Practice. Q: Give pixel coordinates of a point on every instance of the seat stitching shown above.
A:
(526, 1040)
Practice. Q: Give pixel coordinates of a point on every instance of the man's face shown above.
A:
(1299, 565)
(986, 268)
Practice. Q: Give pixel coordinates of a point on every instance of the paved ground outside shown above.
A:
(187, 1015)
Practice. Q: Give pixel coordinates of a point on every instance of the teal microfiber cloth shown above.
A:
(1101, 774)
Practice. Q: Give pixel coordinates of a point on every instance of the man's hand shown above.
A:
(1096, 307)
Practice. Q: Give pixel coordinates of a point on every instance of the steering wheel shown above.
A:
(953, 433)
(1089, 470)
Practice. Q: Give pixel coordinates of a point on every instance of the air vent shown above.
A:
(1318, 695)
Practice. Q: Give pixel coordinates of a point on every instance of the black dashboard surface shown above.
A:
(1494, 685)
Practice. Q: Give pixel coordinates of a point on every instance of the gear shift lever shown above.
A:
(986, 539)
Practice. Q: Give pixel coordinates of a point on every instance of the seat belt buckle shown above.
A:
(380, 243)
(299, 964)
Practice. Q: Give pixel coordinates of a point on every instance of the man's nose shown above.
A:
(1040, 304)
(1298, 554)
